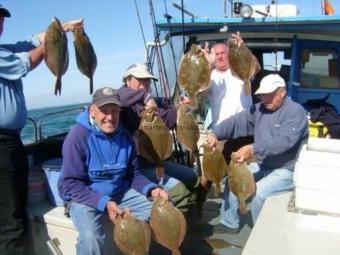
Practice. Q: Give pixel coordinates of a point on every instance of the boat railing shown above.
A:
(35, 130)
(43, 118)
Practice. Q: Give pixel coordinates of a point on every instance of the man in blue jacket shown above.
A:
(16, 61)
(280, 127)
(100, 173)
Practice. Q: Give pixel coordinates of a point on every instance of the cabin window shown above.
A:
(319, 68)
(273, 61)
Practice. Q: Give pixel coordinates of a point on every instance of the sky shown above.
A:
(115, 33)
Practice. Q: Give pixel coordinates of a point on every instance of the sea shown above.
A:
(49, 121)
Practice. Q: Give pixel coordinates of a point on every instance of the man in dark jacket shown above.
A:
(135, 95)
(100, 173)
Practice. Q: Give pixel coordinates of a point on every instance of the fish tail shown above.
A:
(192, 157)
(243, 207)
(159, 172)
(217, 189)
(91, 85)
(193, 102)
(57, 88)
(247, 87)
(176, 252)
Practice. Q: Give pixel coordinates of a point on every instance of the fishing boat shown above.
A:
(305, 51)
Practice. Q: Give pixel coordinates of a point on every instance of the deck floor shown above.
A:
(194, 242)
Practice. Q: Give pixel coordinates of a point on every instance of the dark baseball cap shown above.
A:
(4, 12)
(105, 96)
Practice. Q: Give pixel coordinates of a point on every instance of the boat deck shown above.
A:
(49, 223)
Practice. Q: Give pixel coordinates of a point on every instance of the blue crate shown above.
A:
(52, 169)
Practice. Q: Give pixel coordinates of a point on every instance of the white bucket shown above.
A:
(36, 185)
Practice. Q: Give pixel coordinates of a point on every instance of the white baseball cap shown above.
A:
(138, 71)
(270, 83)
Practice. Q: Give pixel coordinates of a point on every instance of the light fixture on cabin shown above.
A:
(246, 11)
(224, 29)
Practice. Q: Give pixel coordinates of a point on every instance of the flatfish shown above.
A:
(242, 63)
(85, 55)
(132, 236)
(194, 73)
(240, 179)
(214, 166)
(187, 130)
(56, 52)
(154, 140)
(168, 225)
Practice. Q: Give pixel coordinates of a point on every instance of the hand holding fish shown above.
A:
(151, 104)
(113, 210)
(212, 140)
(209, 54)
(183, 100)
(158, 192)
(237, 37)
(244, 153)
(73, 24)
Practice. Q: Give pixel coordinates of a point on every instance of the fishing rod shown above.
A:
(160, 59)
(149, 63)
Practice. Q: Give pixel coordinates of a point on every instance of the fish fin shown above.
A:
(247, 87)
(220, 243)
(192, 157)
(176, 252)
(243, 207)
(193, 103)
(159, 172)
(217, 189)
(57, 88)
(91, 85)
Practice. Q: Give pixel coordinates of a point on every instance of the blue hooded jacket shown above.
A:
(97, 166)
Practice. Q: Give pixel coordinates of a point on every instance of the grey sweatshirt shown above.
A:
(278, 135)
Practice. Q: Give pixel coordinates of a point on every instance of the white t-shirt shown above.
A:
(227, 95)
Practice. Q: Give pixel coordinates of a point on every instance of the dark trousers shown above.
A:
(232, 145)
(13, 194)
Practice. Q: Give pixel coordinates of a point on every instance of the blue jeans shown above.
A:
(174, 174)
(90, 222)
(272, 182)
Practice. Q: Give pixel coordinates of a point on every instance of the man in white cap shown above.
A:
(135, 95)
(100, 174)
(280, 127)
(17, 60)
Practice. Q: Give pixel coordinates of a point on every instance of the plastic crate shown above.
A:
(52, 169)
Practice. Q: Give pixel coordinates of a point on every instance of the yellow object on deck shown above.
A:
(317, 129)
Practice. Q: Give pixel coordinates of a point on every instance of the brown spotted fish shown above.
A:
(214, 166)
(56, 52)
(194, 73)
(187, 130)
(168, 225)
(85, 56)
(154, 140)
(131, 235)
(240, 179)
(242, 63)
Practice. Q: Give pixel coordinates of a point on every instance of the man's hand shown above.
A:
(158, 192)
(113, 211)
(73, 24)
(211, 140)
(244, 153)
(183, 100)
(209, 54)
(238, 38)
(151, 104)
